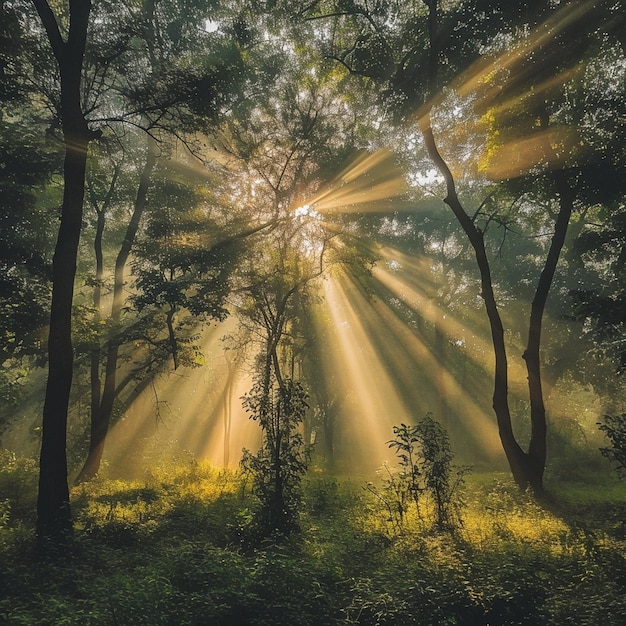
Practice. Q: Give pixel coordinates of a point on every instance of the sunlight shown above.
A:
(470, 426)
(477, 76)
(479, 348)
(211, 26)
(386, 375)
(517, 156)
(305, 211)
(310, 233)
(545, 149)
(372, 182)
(198, 410)
(371, 401)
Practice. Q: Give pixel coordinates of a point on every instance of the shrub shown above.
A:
(614, 427)
(279, 466)
(425, 472)
(18, 481)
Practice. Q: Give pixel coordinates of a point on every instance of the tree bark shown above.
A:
(54, 518)
(94, 357)
(526, 468)
(537, 446)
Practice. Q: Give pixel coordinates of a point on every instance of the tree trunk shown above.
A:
(537, 446)
(94, 357)
(53, 508)
(54, 518)
(102, 410)
(523, 472)
(227, 406)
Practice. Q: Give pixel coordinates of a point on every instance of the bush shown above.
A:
(279, 466)
(614, 427)
(426, 472)
(18, 482)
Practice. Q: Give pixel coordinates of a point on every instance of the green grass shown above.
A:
(178, 548)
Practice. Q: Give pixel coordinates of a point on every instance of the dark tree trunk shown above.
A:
(94, 357)
(537, 446)
(103, 408)
(54, 519)
(526, 468)
(517, 458)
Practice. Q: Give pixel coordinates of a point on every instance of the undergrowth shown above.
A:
(175, 548)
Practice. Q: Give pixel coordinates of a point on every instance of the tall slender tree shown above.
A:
(54, 519)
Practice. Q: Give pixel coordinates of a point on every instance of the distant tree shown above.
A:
(182, 267)
(277, 402)
(27, 163)
(285, 146)
(600, 303)
(157, 96)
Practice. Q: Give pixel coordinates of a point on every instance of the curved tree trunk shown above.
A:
(516, 457)
(54, 519)
(526, 467)
(537, 446)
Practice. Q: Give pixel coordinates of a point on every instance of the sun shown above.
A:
(306, 210)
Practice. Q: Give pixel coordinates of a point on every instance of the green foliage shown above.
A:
(27, 163)
(166, 550)
(18, 483)
(425, 469)
(278, 467)
(614, 427)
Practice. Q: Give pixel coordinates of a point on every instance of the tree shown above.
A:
(614, 427)
(286, 164)
(429, 54)
(204, 74)
(28, 198)
(278, 467)
(54, 520)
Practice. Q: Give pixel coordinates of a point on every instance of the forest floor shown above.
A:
(178, 548)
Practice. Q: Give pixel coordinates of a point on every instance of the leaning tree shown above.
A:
(519, 69)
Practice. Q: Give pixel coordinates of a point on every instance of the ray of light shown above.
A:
(372, 182)
(477, 425)
(360, 376)
(199, 409)
(479, 348)
(549, 149)
(545, 148)
(387, 375)
(478, 74)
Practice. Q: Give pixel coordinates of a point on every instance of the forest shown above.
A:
(312, 312)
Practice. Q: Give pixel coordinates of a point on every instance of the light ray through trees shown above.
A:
(385, 370)
(371, 183)
(501, 86)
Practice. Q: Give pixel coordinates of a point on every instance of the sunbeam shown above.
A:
(372, 182)
(359, 376)
(197, 410)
